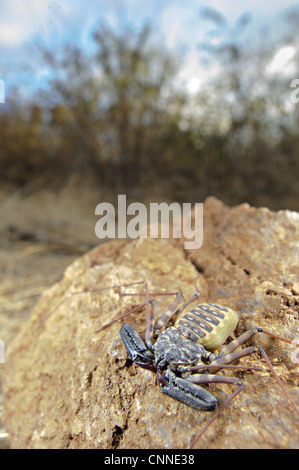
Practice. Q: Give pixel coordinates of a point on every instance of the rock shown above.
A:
(67, 386)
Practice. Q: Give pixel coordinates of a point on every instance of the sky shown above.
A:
(176, 23)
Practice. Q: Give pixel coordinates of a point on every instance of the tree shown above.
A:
(117, 103)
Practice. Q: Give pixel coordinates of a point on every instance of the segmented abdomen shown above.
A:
(207, 324)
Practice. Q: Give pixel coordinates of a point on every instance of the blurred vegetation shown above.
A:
(116, 120)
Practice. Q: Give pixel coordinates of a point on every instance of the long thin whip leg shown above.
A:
(278, 380)
(218, 412)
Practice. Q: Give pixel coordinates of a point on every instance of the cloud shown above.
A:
(23, 19)
(11, 33)
(283, 62)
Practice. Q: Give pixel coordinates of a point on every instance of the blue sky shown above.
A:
(176, 23)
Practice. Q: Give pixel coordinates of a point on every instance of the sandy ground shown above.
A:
(40, 235)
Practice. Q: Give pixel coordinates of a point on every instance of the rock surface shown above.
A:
(66, 386)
